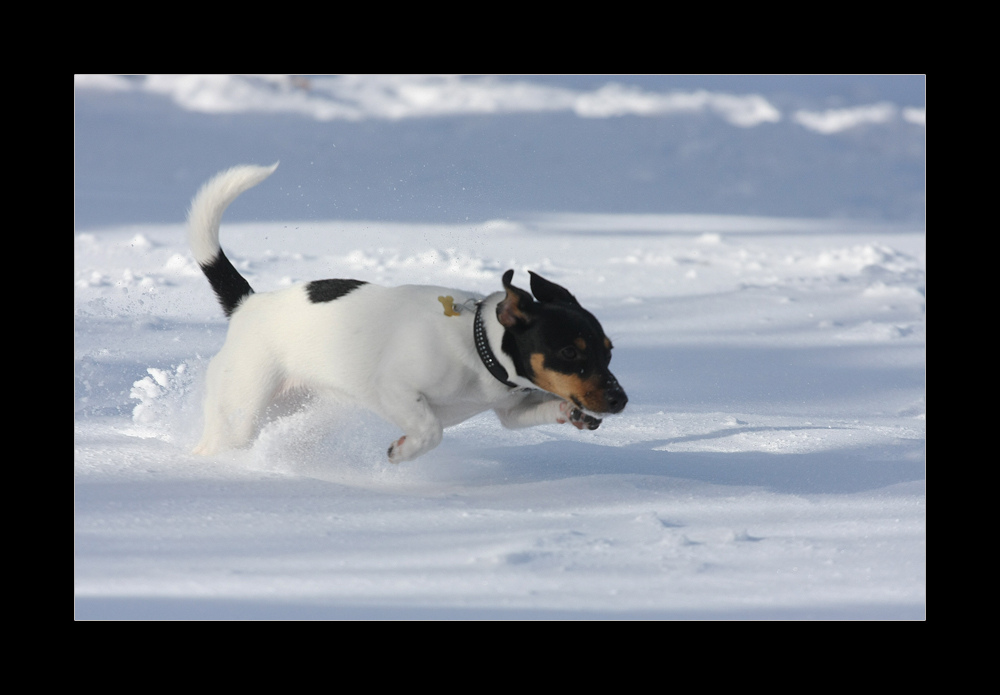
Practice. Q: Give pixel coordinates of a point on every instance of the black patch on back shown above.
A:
(229, 286)
(328, 290)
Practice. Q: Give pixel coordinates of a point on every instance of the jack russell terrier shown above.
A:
(421, 357)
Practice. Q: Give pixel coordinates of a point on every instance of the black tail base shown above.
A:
(229, 286)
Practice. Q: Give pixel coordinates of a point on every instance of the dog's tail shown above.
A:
(204, 218)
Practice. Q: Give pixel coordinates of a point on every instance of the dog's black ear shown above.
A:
(517, 308)
(546, 291)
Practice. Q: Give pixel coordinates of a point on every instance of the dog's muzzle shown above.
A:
(614, 396)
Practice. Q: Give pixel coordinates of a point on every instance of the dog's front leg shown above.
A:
(540, 408)
(412, 414)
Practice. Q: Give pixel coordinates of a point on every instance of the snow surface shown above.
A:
(770, 462)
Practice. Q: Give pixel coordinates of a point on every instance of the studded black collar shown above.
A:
(483, 348)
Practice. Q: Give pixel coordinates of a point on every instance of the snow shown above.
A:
(770, 459)
(393, 97)
(915, 115)
(836, 120)
(770, 463)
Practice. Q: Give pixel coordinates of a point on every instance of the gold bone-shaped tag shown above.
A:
(449, 306)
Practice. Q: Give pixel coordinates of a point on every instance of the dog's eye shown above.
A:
(569, 353)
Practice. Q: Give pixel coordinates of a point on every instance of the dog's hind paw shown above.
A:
(202, 450)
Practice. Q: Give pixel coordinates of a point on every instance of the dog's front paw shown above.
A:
(580, 420)
(396, 450)
(577, 417)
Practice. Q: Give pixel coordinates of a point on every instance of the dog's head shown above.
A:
(559, 345)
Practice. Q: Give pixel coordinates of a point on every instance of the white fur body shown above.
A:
(391, 350)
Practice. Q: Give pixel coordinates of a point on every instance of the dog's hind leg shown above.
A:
(238, 392)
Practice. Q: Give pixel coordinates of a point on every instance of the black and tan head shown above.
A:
(559, 345)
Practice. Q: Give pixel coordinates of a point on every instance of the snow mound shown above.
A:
(450, 261)
(837, 120)
(394, 97)
(875, 332)
(163, 397)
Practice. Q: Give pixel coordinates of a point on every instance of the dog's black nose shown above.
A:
(616, 399)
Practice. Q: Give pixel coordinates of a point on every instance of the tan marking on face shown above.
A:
(580, 343)
(586, 393)
(607, 343)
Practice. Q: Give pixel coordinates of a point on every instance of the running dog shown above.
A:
(422, 357)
